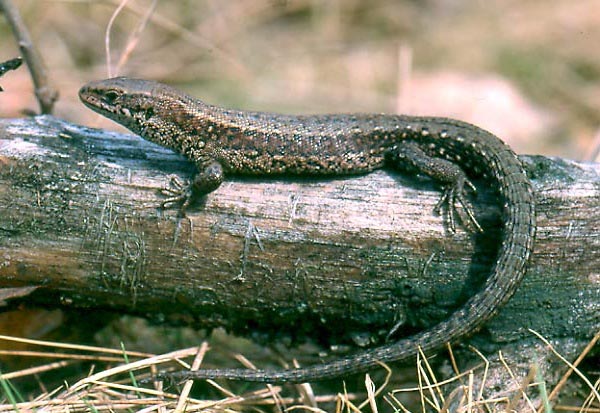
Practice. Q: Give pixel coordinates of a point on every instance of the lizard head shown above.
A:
(145, 107)
(130, 102)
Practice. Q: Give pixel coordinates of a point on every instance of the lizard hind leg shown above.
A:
(408, 156)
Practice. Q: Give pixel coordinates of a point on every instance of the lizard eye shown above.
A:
(149, 113)
(111, 95)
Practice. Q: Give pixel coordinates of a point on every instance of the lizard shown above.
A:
(224, 142)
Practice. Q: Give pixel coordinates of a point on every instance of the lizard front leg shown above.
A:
(209, 177)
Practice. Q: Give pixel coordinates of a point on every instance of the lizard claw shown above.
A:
(177, 192)
(455, 194)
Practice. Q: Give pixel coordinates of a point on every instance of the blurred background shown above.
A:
(527, 70)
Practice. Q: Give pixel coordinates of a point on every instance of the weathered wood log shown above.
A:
(343, 260)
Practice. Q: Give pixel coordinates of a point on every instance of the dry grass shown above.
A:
(119, 387)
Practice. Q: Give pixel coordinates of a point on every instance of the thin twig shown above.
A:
(588, 348)
(44, 92)
(135, 37)
(11, 64)
(183, 397)
(192, 37)
(113, 17)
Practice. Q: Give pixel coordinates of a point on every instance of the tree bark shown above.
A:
(337, 260)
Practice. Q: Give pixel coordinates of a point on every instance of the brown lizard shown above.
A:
(223, 142)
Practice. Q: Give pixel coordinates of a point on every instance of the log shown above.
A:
(336, 261)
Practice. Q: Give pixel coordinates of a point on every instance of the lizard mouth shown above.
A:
(88, 98)
(95, 101)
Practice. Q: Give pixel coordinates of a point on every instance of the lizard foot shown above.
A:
(177, 192)
(454, 195)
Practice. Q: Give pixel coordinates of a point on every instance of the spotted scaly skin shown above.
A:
(225, 142)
